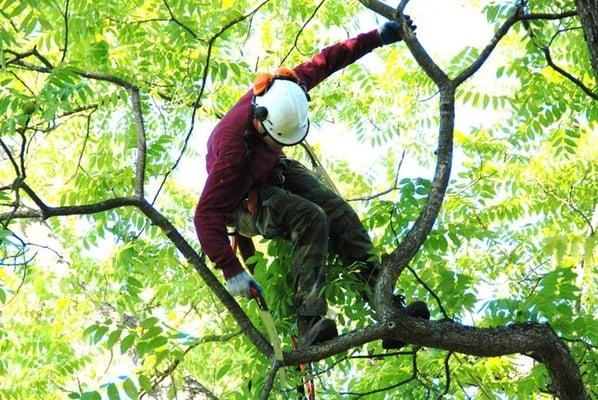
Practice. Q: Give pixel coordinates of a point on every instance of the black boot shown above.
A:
(417, 309)
(314, 330)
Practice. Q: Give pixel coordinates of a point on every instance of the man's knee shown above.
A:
(310, 217)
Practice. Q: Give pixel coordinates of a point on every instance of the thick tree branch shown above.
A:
(171, 232)
(141, 143)
(208, 277)
(45, 212)
(588, 15)
(524, 338)
(394, 264)
(265, 394)
(544, 16)
(419, 53)
(502, 31)
(514, 339)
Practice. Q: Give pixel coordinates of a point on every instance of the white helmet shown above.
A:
(283, 112)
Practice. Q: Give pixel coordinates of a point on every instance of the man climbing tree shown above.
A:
(249, 174)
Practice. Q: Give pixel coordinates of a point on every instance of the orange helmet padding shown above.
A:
(263, 80)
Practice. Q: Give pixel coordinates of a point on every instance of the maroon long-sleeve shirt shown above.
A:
(230, 178)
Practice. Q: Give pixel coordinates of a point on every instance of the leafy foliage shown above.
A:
(102, 306)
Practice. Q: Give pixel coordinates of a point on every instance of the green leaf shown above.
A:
(113, 338)
(127, 342)
(156, 342)
(131, 280)
(99, 334)
(90, 329)
(113, 392)
(91, 396)
(151, 332)
(130, 389)
(145, 383)
(149, 322)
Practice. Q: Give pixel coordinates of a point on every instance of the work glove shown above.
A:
(390, 32)
(241, 284)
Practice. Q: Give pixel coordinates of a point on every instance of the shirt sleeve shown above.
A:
(225, 186)
(336, 57)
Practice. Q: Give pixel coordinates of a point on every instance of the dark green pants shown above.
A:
(294, 205)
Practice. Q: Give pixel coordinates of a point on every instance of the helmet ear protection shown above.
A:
(260, 112)
(280, 103)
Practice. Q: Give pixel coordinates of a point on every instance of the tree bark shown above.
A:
(588, 14)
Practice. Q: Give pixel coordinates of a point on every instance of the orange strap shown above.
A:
(264, 80)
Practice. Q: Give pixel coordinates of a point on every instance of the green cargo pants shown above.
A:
(294, 205)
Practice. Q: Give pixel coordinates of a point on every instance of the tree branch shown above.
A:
(544, 16)
(265, 394)
(421, 282)
(567, 75)
(179, 23)
(172, 367)
(197, 102)
(419, 53)
(172, 233)
(66, 30)
(10, 157)
(301, 31)
(141, 143)
(537, 339)
(385, 192)
(518, 15)
(447, 372)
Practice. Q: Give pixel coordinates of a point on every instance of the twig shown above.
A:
(393, 188)
(179, 23)
(301, 31)
(85, 139)
(43, 59)
(384, 389)
(567, 75)
(22, 82)
(25, 270)
(197, 102)
(3, 13)
(447, 372)
(66, 30)
(10, 157)
(463, 390)
(172, 367)
(21, 133)
(421, 282)
(569, 203)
